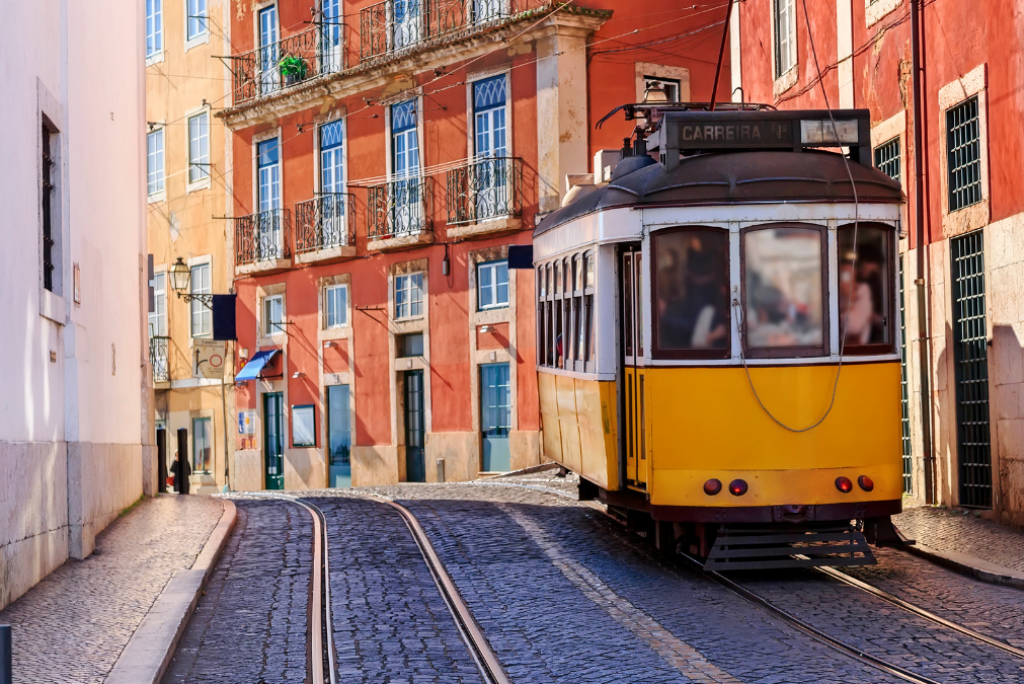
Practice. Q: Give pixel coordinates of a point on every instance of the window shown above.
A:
(565, 313)
(202, 445)
(408, 345)
(268, 55)
(865, 289)
(486, 10)
(155, 162)
(963, 154)
(489, 98)
(406, 30)
(331, 39)
(404, 140)
(671, 86)
(50, 206)
(196, 22)
(154, 28)
(268, 164)
(783, 282)
(332, 171)
(691, 293)
(492, 285)
(409, 295)
(201, 314)
(887, 158)
(158, 316)
(198, 147)
(273, 315)
(588, 352)
(785, 36)
(339, 421)
(303, 426)
(336, 306)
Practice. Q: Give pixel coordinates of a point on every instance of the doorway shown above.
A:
(415, 461)
(631, 297)
(339, 436)
(495, 417)
(273, 439)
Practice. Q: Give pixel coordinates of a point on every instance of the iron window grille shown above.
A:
(321, 223)
(262, 236)
(305, 55)
(49, 142)
(158, 357)
(963, 154)
(485, 189)
(397, 208)
(970, 354)
(887, 158)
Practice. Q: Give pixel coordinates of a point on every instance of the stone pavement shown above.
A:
(963, 533)
(72, 626)
(250, 625)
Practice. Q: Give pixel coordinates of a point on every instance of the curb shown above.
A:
(148, 653)
(969, 566)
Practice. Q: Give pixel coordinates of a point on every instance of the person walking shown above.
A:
(181, 471)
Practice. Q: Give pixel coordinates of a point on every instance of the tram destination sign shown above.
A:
(763, 129)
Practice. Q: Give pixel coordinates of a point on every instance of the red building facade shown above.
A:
(962, 252)
(385, 158)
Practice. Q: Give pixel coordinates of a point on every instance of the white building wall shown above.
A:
(75, 376)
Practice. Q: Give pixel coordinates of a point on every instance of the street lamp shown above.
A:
(180, 275)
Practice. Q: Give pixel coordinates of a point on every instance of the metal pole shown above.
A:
(6, 667)
(721, 55)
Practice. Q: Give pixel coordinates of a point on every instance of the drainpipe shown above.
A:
(922, 290)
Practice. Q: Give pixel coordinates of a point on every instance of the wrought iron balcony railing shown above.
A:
(313, 52)
(262, 236)
(158, 347)
(395, 25)
(485, 189)
(322, 222)
(397, 208)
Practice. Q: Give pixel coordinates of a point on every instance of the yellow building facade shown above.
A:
(187, 188)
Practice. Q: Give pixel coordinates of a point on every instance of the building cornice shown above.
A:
(550, 19)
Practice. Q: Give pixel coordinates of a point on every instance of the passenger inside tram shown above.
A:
(692, 290)
(864, 286)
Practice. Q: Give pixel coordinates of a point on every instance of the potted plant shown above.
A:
(293, 69)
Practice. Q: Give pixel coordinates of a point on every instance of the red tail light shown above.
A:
(865, 483)
(712, 487)
(844, 485)
(737, 487)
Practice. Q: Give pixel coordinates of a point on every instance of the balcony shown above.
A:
(485, 196)
(301, 57)
(261, 242)
(397, 214)
(395, 25)
(322, 231)
(158, 347)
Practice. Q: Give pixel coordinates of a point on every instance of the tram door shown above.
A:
(631, 314)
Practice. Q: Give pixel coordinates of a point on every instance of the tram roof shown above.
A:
(744, 177)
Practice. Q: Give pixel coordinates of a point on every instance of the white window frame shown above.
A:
(784, 67)
(196, 307)
(204, 180)
(161, 193)
(343, 311)
(271, 328)
(493, 267)
(157, 19)
(667, 82)
(203, 36)
(340, 186)
(405, 283)
(159, 296)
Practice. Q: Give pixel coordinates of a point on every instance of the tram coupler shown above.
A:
(882, 533)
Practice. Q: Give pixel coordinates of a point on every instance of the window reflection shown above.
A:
(692, 289)
(865, 284)
(783, 282)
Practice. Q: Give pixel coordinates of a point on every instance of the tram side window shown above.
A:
(691, 292)
(865, 289)
(589, 352)
(783, 284)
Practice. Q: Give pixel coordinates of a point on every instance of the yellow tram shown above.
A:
(718, 335)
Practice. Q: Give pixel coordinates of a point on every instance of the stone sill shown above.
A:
(503, 224)
(268, 266)
(163, 385)
(423, 237)
(326, 254)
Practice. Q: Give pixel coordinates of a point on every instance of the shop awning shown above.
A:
(251, 370)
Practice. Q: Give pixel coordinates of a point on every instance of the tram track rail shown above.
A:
(817, 634)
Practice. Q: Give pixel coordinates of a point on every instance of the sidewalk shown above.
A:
(73, 626)
(962, 542)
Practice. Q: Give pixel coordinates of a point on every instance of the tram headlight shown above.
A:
(712, 486)
(844, 485)
(865, 483)
(738, 487)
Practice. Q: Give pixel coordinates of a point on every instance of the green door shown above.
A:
(273, 439)
(495, 416)
(339, 435)
(415, 463)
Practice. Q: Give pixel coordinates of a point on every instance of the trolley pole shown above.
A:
(6, 673)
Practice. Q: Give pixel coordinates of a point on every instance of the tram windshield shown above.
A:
(692, 290)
